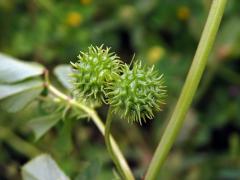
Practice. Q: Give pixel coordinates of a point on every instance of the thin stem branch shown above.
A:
(98, 122)
(189, 88)
(20, 145)
(109, 145)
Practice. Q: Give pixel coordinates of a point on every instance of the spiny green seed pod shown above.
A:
(92, 73)
(138, 93)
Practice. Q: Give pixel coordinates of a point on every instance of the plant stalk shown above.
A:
(189, 88)
(98, 122)
(17, 143)
(109, 145)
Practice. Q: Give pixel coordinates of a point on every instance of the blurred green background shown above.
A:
(160, 32)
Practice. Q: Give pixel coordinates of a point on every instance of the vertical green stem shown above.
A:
(189, 88)
(120, 168)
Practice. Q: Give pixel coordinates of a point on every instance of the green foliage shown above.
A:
(19, 83)
(12, 70)
(42, 167)
(162, 32)
(92, 171)
(41, 125)
(7, 90)
(62, 73)
(19, 101)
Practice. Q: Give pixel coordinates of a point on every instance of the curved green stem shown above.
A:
(108, 142)
(189, 88)
(98, 122)
(20, 145)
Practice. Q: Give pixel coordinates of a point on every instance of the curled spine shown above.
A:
(92, 73)
(137, 93)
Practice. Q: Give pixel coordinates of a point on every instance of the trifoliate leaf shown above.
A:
(7, 90)
(13, 70)
(19, 101)
(43, 167)
(41, 125)
(62, 73)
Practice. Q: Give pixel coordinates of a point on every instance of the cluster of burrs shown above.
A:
(134, 93)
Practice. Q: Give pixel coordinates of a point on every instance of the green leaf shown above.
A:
(230, 32)
(19, 101)
(13, 70)
(41, 125)
(62, 73)
(43, 167)
(7, 90)
(229, 36)
(65, 137)
(91, 171)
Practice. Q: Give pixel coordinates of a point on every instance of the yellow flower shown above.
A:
(127, 13)
(155, 53)
(85, 2)
(74, 19)
(183, 13)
